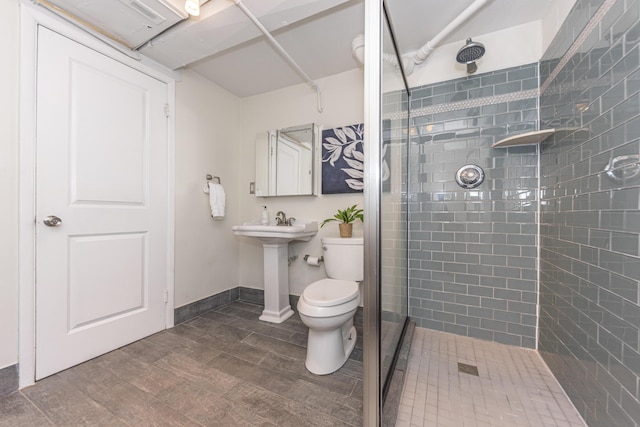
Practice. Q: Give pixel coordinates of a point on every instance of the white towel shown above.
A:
(216, 200)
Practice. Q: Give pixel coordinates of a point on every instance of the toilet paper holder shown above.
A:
(321, 259)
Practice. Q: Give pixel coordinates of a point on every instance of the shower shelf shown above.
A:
(528, 138)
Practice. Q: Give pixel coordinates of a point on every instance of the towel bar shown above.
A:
(210, 177)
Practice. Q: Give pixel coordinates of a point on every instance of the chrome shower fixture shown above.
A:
(470, 176)
(469, 54)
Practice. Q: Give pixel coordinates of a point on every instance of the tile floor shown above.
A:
(514, 386)
(226, 368)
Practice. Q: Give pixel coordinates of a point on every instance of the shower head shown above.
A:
(469, 54)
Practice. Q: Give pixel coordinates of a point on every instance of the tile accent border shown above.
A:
(461, 105)
(577, 44)
(8, 380)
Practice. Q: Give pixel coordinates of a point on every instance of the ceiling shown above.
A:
(224, 46)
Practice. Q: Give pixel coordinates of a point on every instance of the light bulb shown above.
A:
(192, 7)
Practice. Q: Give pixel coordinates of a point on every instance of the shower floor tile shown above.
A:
(513, 387)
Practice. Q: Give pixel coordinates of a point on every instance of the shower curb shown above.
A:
(394, 395)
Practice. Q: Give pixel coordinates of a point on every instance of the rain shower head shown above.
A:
(469, 54)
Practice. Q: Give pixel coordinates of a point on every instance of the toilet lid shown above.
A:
(329, 292)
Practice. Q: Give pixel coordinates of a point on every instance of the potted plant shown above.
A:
(346, 217)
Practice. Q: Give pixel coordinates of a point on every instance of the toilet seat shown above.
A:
(329, 297)
(330, 292)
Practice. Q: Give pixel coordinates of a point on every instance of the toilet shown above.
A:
(327, 306)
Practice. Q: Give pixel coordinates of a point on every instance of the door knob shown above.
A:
(52, 221)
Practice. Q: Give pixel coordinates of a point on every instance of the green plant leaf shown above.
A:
(347, 215)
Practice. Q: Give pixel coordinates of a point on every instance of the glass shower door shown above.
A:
(385, 227)
(393, 206)
(393, 209)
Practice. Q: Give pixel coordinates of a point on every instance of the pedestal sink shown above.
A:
(275, 241)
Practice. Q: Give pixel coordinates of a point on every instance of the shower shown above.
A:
(469, 54)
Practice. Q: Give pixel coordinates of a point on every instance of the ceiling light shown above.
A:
(192, 7)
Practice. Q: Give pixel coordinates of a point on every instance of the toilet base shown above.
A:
(327, 351)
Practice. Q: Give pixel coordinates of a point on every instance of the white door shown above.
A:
(101, 274)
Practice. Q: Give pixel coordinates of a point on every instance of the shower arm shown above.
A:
(423, 53)
(282, 52)
(410, 61)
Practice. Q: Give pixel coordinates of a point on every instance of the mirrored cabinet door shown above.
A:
(286, 161)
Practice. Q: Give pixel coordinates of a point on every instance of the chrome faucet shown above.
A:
(281, 218)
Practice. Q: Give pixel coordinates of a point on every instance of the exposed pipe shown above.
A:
(409, 62)
(421, 54)
(357, 48)
(282, 52)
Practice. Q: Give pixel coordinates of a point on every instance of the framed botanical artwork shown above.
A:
(343, 159)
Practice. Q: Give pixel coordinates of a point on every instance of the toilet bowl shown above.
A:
(327, 306)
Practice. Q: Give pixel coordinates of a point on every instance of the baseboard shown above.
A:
(195, 309)
(8, 380)
(256, 296)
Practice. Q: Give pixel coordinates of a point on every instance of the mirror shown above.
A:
(285, 161)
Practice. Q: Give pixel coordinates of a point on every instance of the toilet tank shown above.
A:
(344, 258)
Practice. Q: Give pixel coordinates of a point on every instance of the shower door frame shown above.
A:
(376, 16)
(372, 401)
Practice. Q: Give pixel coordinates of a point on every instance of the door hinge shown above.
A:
(166, 110)
(166, 296)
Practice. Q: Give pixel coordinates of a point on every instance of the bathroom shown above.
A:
(207, 136)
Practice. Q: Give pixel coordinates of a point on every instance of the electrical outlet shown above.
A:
(252, 188)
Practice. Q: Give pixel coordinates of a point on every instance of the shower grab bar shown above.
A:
(622, 168)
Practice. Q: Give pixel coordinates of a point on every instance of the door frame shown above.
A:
(31, 17)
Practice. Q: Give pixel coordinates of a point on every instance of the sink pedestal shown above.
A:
(275, 241)
(277, 308)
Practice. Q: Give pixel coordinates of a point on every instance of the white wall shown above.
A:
(342, 97)
(556, 14)
(8, 183)
(207, 142)
(507, 48)
(511, 47)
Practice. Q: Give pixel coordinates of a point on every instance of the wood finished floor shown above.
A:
(224, 368)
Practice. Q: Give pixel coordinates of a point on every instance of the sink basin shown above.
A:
(274, 234)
